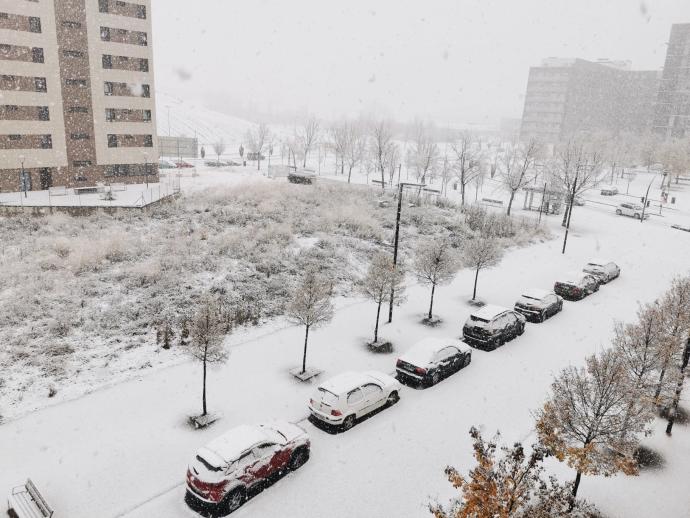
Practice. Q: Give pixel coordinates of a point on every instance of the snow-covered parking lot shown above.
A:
(123, 450)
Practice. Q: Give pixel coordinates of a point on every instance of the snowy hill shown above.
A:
(188, 119)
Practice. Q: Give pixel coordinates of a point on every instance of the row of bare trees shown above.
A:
(592, 420)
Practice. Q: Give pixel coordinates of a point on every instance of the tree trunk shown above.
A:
(476, 276)
(431, 304)
(304, 164)
(660, 383)
(342, 168)
(679, 388)
(304, 356)
(510, 202)
(383, 178)
(576, 485)
(376, 328)
(462, 193)
(349, 174)
(258, 162)
(203, 394)
(565, 214)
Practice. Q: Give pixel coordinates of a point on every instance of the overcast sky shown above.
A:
(450, 61)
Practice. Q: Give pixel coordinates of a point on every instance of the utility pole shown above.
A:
(395, 243)
(570, 209)
(646, 200)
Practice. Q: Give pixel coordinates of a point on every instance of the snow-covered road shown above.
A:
(124, 449)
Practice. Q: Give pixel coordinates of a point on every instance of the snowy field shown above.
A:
(122, 450)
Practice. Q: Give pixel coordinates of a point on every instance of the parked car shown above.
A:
(576, 285)
(183, 164)
(604, 270)
(432, 359)
(634, 210)
(608, 190)
(342, 400)
(253, 155)
(538, 305)
(221, 473)
(302, 176)
(492, 326)
(166, 164)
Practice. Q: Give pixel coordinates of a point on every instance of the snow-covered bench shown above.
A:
(27, 502)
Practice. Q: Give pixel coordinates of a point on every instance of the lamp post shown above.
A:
(397, 238)
(146, 169)
(22, 176)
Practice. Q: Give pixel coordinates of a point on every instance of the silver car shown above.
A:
(344, 399)
(603, 269)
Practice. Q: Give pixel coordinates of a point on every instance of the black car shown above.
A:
(576, 286)
(538, 305)
(431, 360)
(492, 326)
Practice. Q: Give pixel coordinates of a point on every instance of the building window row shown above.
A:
(124, 36)
(73, 53)
(71, 24)
(26, 141)
(126, 90)
(18, 22)
(23, 83)
(125, 63)
(80, 136)
(77, 109)
(122, 8)
(11, 112)
(127, 115)
(20, 53)
(130, 140)
(81, 163)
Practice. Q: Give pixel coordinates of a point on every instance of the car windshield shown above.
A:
(531, 297)
(207, 464)
(328, 397)
(594, 265)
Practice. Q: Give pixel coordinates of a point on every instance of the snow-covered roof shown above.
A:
(489, 311)
(421, 352)
(536, 293)
(232, 443)
(345, 382)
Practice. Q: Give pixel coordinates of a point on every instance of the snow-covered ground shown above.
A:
(122, 450)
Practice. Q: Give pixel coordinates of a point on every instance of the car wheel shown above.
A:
(500, 340)
(542, 316)
(435, 378)
(619, 212)
(467, 360)
(637, 216)
(349, 422)
(299, 458)
(560, 306)
(393, 398)
(234, 500)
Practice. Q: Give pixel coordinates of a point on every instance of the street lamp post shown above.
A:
(22, 177)
(646, 200)
(397, 238)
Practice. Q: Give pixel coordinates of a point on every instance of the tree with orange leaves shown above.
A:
(592, 420)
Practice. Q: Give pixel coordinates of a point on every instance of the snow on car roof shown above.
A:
(232, 443)
(599, 261)
(574, 277)
(488, 311)
(536, 293)
(421, 352)
(345, 382)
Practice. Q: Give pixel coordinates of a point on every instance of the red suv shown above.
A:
(223, 471)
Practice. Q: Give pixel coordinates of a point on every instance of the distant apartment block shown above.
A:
(569, 96)
(178, 147)
(77, 101)
(672, 111)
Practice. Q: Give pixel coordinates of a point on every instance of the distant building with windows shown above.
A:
(77, 100)
(672, 110)
(178, 147)
(569, 96)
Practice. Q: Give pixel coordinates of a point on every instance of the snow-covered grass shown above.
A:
(81, 298)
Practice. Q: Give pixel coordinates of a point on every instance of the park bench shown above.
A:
(490, 201)
(27, 502)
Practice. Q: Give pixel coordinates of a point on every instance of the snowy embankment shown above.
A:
(124, 449)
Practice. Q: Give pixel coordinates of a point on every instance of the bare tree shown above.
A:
(479, 253)
(515, 166)
(338, 142)
(355, 148)
(381, 142)
(574, 170)
(467, 164)
(435, 263)
(649, 148)
(311, 305)
(219, 148)
(206, 343)
(590, 420)
(257, 139)
(675, 157)
(382, 277)
(307, 136)
(424, 152)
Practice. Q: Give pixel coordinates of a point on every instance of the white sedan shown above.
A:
(344, 399)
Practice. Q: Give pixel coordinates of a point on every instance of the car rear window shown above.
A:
(207, 464)
(328, 397)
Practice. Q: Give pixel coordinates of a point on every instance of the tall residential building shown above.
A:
(672, 113)
(77, 100)
(569, 96)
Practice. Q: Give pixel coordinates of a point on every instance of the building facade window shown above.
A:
(43, 113)
(145, 91)
(105, 33)
(141, 12)
(75, 82)
(144, 65)
(37, 55)
(34, 24)
(80, 136)
(46, 142)
(112, 140)
(108, 88)
(103, 6)
(71, 25)
(73, 53)
(147, 115)
(109, 114)
(142, 39)
(40, 84)
(107, 61)
(148, 141)
(15, 137)
(78, 109)
(81, 163)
